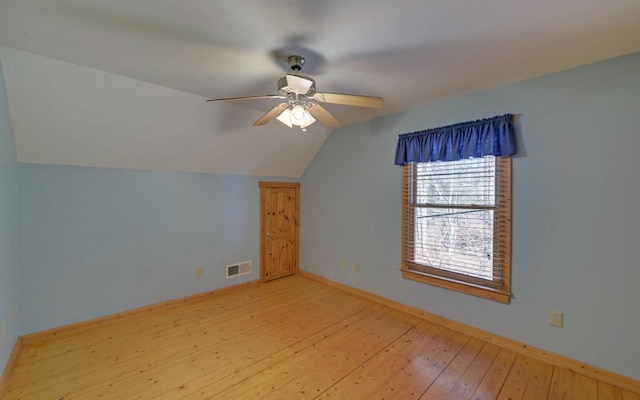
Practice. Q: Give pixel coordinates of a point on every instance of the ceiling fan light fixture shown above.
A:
(285, 117)
(297, 116)
(307, 121)
(301, 117)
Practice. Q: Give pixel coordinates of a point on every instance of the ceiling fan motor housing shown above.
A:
(298, 84)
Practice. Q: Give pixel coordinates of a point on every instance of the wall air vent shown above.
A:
(239, 269)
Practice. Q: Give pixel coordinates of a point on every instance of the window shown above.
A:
(457, 225)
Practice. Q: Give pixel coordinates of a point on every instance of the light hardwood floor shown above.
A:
(292, 338)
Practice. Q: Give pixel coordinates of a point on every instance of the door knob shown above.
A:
(269, 234)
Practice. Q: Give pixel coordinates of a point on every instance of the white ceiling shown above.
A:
(122, 83)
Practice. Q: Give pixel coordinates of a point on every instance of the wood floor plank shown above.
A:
(209, 386)
(330, 359)
(465, 386)
(494, 379)
(608, 392)
(223, 360)
(568, 385)
(366, 380)
(538, 387)
(528, 379)
(584, 387)
(293, 338)
(339, 366)
(153, 350)
(561, 384)
(441, 388)
(630, 396)
(164, 320)
(254, 385)
(155, 379)
(424, 368)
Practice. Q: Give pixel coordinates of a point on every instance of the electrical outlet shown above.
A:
(200, 272)
(13, 313)
(356, 267)
(344, 263)
(555, 319)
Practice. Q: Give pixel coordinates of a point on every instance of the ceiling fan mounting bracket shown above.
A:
(295, 62)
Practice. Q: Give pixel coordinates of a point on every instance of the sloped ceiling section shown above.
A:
(66, 114)
(122, 83)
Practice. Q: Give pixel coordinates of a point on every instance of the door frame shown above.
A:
(264, 185)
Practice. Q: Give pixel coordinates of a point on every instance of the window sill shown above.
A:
(458, 286)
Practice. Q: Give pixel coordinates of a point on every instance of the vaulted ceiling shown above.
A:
(123, 83)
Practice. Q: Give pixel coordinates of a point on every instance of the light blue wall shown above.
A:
(576, 225)
(97, 241)
(8, 231)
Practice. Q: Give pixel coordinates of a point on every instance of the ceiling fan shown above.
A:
(301, 106)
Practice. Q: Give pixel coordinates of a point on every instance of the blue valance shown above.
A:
(490, 136)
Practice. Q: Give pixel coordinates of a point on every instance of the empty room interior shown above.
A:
(303, 199)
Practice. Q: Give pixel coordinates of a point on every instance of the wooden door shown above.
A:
(279, 229)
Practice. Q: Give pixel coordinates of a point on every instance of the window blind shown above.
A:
(457, 222)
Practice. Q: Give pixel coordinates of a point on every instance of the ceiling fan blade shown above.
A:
(349, 100)
(269, 96)
(271, 114)
(321, 114)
